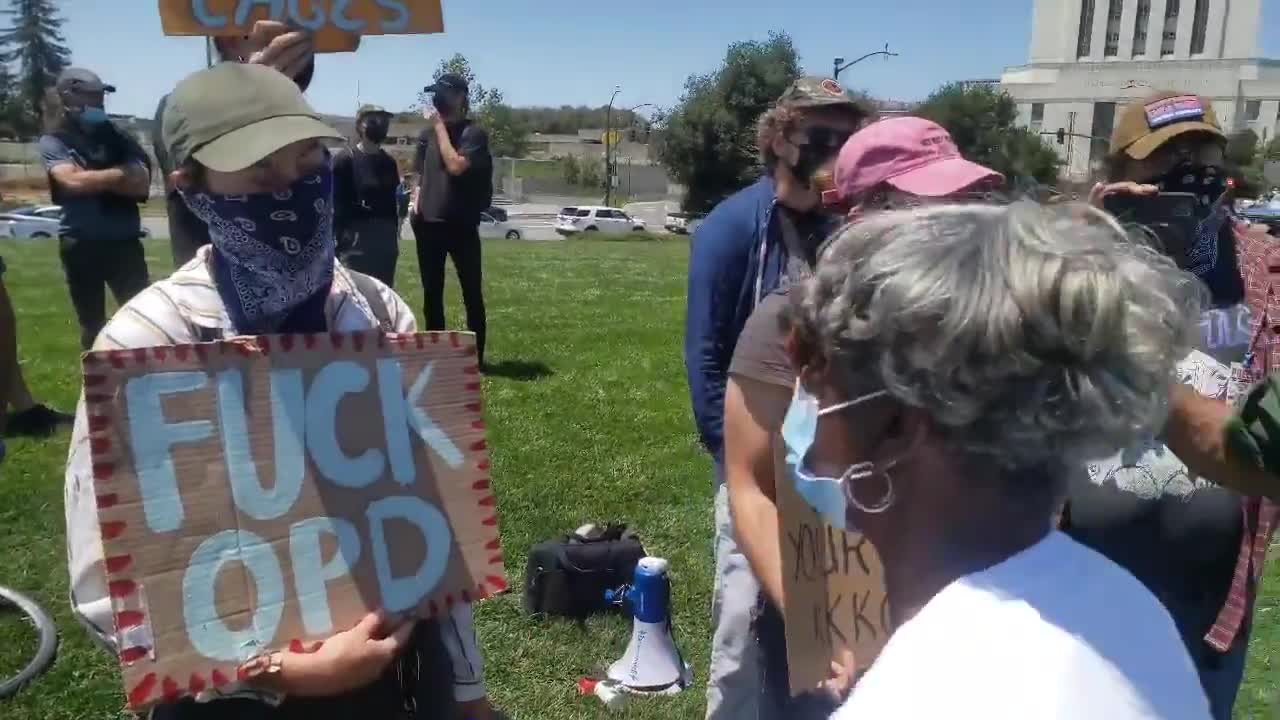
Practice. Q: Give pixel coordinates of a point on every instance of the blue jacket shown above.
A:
(737, 258)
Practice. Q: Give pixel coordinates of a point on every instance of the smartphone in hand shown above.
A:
(1171, 218)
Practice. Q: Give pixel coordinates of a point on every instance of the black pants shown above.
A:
(90, 263)
(436, 241)
(373, 248)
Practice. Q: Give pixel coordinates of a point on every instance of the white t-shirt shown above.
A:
(1057, 631)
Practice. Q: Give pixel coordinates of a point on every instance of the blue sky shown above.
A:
(557, 52)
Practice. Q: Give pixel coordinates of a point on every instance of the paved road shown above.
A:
(535, 222)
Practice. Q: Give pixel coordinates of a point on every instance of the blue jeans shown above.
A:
(1222, 673)
(734, 687)
(748, 678)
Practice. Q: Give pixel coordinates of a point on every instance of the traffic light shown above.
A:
(1062, 136)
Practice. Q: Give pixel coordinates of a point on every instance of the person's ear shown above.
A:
(906, 429)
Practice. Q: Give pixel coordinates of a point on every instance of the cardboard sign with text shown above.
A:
(833, 584)
(262, 494)
(336, 23)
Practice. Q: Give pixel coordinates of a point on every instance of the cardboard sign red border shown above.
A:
(129, 607)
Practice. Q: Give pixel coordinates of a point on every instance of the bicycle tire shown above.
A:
(48, 640)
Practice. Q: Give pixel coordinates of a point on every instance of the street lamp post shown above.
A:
(610, 150)
(608, 141)
(840, 65)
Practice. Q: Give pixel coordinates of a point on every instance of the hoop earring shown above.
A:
(862, 471)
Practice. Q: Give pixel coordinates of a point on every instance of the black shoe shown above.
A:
(36, 421)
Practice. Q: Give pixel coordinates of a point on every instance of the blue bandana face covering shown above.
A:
(275, 250)
(827, 495)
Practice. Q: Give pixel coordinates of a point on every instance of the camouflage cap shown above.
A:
(813, 92)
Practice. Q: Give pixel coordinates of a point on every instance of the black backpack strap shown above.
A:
(368, 287)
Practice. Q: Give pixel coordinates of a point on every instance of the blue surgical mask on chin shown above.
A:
(92, 117)
(827, 495)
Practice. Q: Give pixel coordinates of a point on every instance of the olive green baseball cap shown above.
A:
(822, 92)
(232, 115)
(371, 110)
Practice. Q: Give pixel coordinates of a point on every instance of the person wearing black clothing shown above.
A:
(270, 43)
(455, 185)
(99, 175)
(366, 185)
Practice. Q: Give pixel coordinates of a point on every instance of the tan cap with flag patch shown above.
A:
(1147, 124)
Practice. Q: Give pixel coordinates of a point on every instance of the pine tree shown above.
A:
(10, 108)
(35, 44)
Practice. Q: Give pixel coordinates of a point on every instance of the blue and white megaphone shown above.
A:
(652, 662)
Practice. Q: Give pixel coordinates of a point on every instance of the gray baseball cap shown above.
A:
(234, 114)
(81, 80)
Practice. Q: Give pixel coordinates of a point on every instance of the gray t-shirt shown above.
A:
(454, 198)
(761, 352)
(103, 215)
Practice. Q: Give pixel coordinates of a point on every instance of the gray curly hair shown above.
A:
(1033, 336)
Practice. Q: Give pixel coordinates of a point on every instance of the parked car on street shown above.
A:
(683, 223)
(566, 214)
(33, 222)
(491, 227)
(1263, 213)
(36, 222)
(599, 219)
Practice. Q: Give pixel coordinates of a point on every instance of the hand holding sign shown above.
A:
(274, 44)
(347, 661)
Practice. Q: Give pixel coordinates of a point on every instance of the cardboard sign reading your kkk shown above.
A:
(833, 584)
(336, 23)
(262, 494)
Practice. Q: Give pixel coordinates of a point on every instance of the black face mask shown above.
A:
(823, 144)
(446, 102)
(375, 130)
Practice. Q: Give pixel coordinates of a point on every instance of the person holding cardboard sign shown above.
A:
(905, 161)
(956, 362)
(250, 164)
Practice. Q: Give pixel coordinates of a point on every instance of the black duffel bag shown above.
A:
(569, 577)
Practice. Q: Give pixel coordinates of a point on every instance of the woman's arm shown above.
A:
(1196, 433)
(753, 413)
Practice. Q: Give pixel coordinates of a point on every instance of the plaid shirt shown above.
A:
(1259, 257)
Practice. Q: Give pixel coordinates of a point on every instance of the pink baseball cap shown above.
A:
(912, 154)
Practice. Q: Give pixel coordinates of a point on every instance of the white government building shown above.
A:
(1090, 56)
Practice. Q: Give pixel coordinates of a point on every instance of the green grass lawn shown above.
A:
(602, 433)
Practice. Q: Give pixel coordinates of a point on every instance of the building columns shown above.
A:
(1128, 21)
(1155, 29)
(1186, 21)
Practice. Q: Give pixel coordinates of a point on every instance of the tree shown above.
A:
(1242, 147)
(983, 122)
(508, 133)
(36, 44)
(11, 124)
(708, 140)
(1272, 152)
